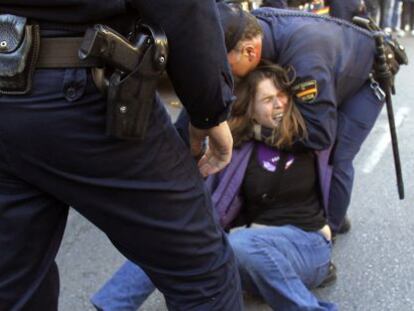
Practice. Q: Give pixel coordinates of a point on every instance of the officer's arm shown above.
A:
(318, 108)
(197, 61)
(321, 122)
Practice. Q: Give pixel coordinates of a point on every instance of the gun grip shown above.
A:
(90, 47)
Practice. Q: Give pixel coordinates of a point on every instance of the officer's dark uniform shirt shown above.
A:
(196, 50)
(331, 58)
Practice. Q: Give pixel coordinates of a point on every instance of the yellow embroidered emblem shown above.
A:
(306, 91)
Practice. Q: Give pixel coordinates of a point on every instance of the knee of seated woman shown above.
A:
(247, 240)
(242, 242)
(240, 238)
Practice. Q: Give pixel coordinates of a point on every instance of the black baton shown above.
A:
(384, 76)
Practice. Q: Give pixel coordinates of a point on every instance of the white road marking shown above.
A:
(384, 142)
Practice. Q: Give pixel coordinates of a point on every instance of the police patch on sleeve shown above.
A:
(305, 89)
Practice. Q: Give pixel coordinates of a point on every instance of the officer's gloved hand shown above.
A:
(393, 65)
(395, 54)
(219, 147)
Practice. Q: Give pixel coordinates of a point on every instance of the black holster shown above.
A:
(19, 48)
(130, 99)
(137, 65)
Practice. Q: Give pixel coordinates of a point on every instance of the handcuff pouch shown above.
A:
(19, 47)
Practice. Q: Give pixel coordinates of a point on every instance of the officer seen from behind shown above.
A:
(65, 144)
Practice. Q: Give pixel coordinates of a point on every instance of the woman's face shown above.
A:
(269, 104)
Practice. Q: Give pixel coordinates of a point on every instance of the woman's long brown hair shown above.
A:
(292, 126)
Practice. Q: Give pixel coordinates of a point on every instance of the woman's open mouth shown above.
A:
(277, 117)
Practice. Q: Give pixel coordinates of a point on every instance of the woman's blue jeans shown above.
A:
(126, 290)
(279, 264)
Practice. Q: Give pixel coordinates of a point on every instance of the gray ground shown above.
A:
(375, 260)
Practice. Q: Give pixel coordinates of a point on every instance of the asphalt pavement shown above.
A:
(374, 260)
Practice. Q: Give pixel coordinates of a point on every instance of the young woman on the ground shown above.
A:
(271, 187)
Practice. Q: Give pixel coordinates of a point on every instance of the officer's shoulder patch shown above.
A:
(305, 89)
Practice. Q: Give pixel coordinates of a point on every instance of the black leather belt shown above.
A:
(62, 52)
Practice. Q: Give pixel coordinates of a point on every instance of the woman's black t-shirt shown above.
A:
(281, 188)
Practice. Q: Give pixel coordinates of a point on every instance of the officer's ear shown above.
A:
(251, 51)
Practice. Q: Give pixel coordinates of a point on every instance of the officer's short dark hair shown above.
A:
(238, 25)
(252, 28)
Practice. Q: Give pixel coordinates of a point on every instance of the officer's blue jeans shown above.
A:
(147, 196)
(356, 118)
(279, 264)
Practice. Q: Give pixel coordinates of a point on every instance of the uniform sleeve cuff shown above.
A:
(209, 122)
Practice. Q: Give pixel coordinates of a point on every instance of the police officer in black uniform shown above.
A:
(147, 195)
(280, 4)
(346, 9)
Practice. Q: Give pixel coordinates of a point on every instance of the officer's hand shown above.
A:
(395, 54)
(393, 65)
(219, 148)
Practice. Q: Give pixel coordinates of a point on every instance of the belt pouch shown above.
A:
(19, 48)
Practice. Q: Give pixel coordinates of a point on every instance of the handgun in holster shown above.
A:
(137, 64)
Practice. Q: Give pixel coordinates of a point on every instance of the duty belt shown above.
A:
(62, 52)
